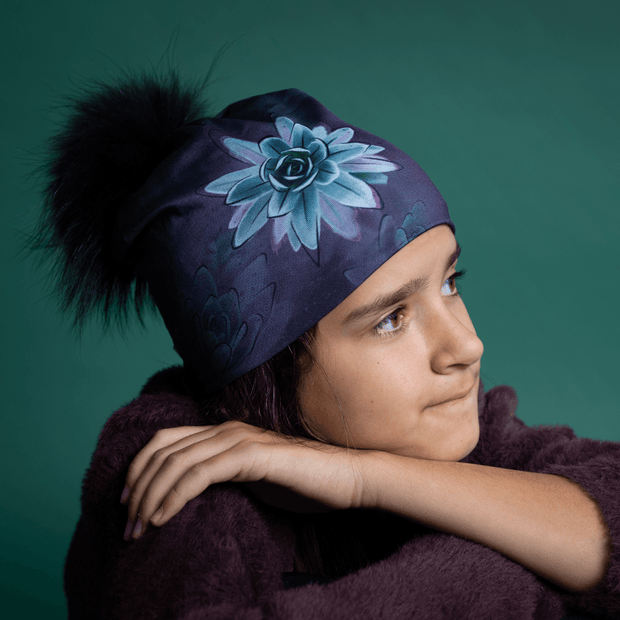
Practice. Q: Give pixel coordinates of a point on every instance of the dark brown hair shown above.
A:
(267, 396)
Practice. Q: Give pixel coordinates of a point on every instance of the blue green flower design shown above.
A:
(223, 327)
(299, 178)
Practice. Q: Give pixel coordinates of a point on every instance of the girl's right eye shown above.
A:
(377, 330)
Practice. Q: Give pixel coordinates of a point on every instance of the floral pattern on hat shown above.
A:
(299, 178)
(224, 326)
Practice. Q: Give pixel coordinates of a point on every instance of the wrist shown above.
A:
(375, 478)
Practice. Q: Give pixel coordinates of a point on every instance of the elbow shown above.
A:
(587, 574)
(587, 581)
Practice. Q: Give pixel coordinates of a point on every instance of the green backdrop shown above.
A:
(512, 110)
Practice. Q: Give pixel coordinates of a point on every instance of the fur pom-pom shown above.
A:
(114, 135)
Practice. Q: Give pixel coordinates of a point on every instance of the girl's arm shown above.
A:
(540, 495)
(545, 522)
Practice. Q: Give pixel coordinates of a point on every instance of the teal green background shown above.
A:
(512, 110)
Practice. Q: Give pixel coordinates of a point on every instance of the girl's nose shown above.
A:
(454, 340)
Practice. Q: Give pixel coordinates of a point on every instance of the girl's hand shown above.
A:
(297, 474)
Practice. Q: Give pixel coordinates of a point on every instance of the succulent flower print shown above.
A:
(393, 234)
(298, 178)
(223, 326)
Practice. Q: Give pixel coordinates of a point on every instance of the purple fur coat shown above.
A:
(223, 556)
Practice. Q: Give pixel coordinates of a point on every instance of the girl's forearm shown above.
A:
(546, 523)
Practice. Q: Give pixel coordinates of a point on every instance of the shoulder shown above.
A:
(210, 525)
(162, 403)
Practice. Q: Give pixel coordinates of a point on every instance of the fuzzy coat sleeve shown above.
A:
(222, 557)
(508, 442)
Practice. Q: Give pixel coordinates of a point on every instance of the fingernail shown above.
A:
(138, 529)
(125, 494)
(128, 529)
(157, 516)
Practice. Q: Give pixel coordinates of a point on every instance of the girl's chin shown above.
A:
(454, 448)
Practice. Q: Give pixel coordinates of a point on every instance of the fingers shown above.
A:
(170, 475)
(228, 465)
(167, 465)
(179, 436)
(162, 438)
(179, 464)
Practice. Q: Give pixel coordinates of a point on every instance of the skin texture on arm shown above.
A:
(547, 523)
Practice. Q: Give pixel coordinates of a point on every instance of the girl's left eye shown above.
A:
(449, 287)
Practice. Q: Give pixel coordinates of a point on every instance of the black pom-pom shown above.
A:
(114, 135)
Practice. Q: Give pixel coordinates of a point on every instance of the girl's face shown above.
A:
(392, 369)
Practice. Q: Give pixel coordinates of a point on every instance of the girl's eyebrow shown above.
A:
(387, 300)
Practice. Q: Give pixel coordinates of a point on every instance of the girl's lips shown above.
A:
(455, 398)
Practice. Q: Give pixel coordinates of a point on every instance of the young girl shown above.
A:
(327, 449)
